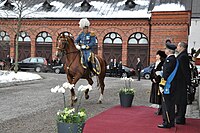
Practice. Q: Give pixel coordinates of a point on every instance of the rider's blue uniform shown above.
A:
(89, 40)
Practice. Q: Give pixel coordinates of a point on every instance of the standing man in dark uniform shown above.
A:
(84, 42)
(168, 87)
(184, 80)
(138, 68)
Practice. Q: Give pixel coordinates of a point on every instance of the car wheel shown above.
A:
(57, 71)
(147, 76)
(124, 75)
(38, 69)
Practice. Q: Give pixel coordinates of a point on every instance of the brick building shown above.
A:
(124, 37)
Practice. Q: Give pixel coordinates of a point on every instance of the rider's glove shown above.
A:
(78, 47)
(83, 47)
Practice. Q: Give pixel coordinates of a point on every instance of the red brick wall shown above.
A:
(168, 25)
(161, 26)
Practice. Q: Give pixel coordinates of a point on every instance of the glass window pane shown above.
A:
(33, 60)
(44, 34)
(48, 39)
(107, 40)
(117, 41)
(138, 36)
(132, 41)
(27, 39)
(26, 60)
(23, 34)
(3, 33)
(20, 39)
(6, 38)
(40, 39)
(112, 35)
(40, 60)
(143, 41)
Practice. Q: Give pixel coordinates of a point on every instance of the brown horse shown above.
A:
(74, 69)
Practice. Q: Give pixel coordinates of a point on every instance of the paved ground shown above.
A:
(30, 107)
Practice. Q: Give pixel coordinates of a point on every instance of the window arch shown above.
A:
(44, 37)
(138, 39)
(24, 37)
(112, 38)
(4, 36)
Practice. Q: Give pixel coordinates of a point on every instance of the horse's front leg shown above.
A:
(73, 80)
(90, 81)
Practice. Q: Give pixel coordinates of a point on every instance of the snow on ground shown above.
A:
(11, 76)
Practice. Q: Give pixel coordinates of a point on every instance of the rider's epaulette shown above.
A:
(92, 33)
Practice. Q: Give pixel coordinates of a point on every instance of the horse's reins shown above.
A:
(67, 53)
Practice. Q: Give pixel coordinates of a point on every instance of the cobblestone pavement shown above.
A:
(30, 107)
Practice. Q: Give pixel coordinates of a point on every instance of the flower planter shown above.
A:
(126, 99)
(70, 127)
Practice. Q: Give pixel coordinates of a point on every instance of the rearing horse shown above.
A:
(74, 69)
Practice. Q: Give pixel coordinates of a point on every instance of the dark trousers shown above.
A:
(181, 110)
(168, 106)
(138, 74)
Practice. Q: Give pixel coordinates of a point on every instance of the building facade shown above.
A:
(122, 38)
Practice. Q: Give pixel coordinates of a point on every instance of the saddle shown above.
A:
(94, 64)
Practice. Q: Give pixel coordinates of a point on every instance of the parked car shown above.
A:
(198, 69)
(2, 64)
(58, 69)
(38, 64)
(147, 71)
(126, 71)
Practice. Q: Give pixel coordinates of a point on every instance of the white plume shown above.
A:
(84, 22)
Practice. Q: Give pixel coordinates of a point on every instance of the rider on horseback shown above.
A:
(84, 42)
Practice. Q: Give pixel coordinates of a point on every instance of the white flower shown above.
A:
(61, 89)
(67, 85)
(55, 89)
(84, 88)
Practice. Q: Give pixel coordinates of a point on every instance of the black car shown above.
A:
(126, 71)
(38, 64)
(147, 71)
(58, 69)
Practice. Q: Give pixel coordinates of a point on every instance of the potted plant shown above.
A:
(71, 120)
(126, 93)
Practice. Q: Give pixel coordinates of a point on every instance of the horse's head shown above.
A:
(62, 44)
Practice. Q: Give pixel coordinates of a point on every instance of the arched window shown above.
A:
(4, 36)
(24, 37)
(44, 37)
(112, 38)
(138, 39)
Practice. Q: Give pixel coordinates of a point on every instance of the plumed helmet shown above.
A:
(83, 23)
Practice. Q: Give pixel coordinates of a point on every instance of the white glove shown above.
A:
(78, 47)
(158, 73)
(83, 47)
(161, 89)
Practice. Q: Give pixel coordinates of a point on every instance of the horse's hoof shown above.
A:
(74, 100)
(99, 102)
(87, 97)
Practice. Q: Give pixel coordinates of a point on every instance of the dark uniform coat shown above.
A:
(184, 79)
(155, 96)
(89, 40)
(169, 104)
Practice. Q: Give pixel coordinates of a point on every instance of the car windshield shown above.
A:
(26, 60)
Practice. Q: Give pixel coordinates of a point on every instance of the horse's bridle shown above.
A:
(64, 45)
